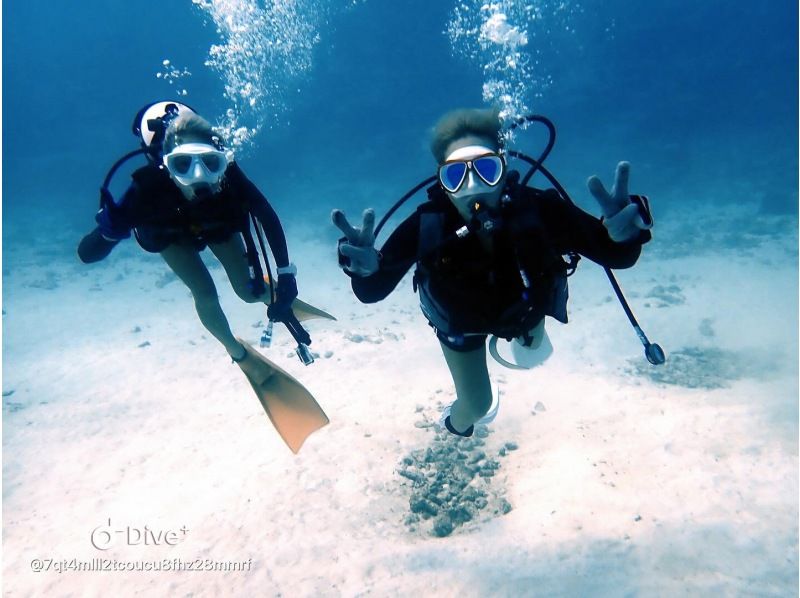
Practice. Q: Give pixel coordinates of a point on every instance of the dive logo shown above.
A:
(106, 536)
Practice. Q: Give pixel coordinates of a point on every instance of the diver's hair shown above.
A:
(484, 123)
(190, 128)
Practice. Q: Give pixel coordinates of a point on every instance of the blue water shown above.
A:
(700, 97)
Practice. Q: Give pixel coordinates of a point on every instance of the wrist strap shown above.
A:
(290, 269)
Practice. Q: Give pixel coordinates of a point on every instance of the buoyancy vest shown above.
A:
(465, 289)
(160, 213)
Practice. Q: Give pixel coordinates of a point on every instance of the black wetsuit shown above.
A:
(160, 214)
(466, 290)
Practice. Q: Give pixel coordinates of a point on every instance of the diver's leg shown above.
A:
(473, 389)
(233, 257)
(185, 262)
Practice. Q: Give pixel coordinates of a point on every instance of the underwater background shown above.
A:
(701, 97)
(629, 480)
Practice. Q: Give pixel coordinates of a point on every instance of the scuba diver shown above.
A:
(488, 251)
(190, 195)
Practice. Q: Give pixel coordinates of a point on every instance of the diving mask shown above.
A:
(486, 164)
(193, 163)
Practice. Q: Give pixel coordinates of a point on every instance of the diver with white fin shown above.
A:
(527, 351)
(190, 195)
(488, 251)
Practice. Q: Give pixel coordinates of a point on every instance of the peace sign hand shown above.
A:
(624, 216)
(612, 203)
(357, 254)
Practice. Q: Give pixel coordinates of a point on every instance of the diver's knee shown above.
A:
(246, 294)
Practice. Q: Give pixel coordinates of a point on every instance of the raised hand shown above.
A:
(357, 254)
(622, 217)
(611, 203)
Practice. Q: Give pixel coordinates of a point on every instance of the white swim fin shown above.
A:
(522, 357)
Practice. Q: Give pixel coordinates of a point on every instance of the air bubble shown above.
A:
(264, 50)
(494, 36)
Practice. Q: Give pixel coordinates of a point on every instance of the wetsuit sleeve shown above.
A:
(572, 229)
(95, 247)
(263, 211)
(114, 225)
(397, 255)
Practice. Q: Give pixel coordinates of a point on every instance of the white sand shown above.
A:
(621, 485)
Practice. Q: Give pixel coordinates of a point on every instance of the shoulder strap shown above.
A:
(148, 176)
(430, 232)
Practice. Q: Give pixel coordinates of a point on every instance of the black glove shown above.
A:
(285, 294)
(111, 219)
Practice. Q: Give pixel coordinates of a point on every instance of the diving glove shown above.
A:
(357, 253)
(110, 219)
(624, 216)
(285, 294)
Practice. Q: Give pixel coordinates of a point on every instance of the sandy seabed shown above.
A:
(136, 459)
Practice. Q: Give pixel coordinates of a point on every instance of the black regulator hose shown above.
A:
(652, 351)
(401, 201)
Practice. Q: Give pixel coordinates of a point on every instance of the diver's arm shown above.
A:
(397, 255)
(263, 211)
(95, 247)
(280, 309)
(113, 225)
(572, 229)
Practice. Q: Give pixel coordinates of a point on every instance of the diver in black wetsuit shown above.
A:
(488, 254)
(192, 195)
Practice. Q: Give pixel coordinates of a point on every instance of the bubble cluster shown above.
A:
(173, 74)
(507, 39)
(266, 48)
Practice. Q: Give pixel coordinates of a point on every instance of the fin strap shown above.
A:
(465, 434)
